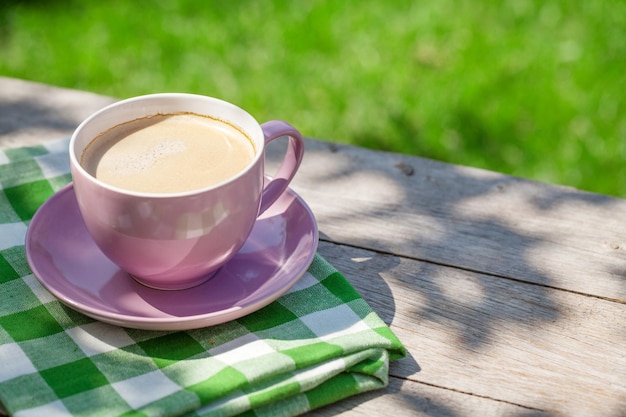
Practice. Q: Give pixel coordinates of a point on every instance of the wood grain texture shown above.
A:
(516, 343)
(509, 294)
(31, 113)
(466, 217)
(406, 399)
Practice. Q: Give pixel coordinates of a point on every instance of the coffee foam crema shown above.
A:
(168, 153)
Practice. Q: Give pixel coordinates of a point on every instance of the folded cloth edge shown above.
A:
(309, 388)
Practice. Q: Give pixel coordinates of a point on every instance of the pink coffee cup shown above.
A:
(179, 240)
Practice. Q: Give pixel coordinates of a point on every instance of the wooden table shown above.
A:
(509, 294)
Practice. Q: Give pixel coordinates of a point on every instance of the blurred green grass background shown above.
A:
(530, 88)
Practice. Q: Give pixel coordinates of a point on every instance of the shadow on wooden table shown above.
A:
(22, 115)
(484, 276)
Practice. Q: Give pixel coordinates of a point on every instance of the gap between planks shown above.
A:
(476, 271)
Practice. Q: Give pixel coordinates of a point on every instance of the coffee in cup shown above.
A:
(168, 153)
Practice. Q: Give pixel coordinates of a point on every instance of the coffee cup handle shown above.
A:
(276, 186)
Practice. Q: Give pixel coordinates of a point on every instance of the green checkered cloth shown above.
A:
(315, 345)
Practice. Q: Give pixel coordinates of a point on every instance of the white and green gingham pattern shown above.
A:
(315, 345)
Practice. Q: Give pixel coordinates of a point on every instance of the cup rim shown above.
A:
(258, 144)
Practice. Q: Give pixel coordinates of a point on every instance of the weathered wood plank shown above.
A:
(514, 342)
(31, 113)
(467, 217)
(412, 399)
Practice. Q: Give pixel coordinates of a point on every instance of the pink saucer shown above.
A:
(67, 262)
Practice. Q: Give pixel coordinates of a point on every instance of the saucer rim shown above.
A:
(172, 322)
